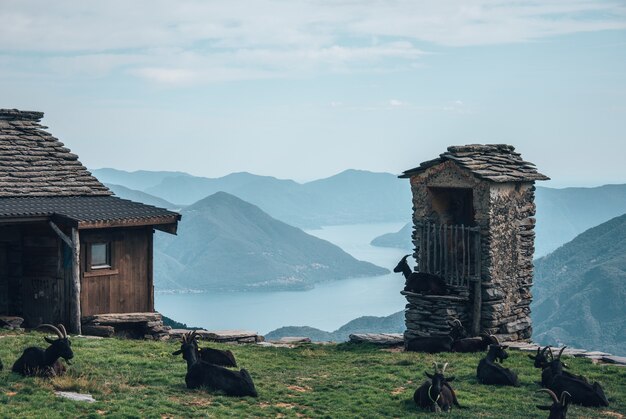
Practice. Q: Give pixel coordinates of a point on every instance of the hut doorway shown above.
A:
(4, 280)
(453, 206)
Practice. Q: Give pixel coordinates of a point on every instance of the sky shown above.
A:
(306, 89)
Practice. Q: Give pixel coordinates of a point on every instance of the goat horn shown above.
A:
(494, 337)
(51, 327)
(436, 366)
(563, 396)
(551, 393)
(561, 352)
(194, 335)
(404, 257)
(444, 368)
(457, 321)
(551, 354)
(186, 336)
(62, 329)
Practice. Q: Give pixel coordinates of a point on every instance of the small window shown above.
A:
(100, 255)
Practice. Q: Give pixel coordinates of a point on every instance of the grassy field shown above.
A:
(142, 379)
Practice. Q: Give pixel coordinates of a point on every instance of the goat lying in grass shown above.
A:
(542, 361)
(217, 356)
(214, 377)
(473, 344)
(579, 388)
(436, 394)
(489, 371)
(435, 344)
(45, 363)
(420, 281)
(558, 409)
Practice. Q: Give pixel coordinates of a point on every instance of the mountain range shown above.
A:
(579, 291)
(350, 197)
(227, 244)
(393, 323)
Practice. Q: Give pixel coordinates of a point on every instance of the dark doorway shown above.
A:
(4, 281)
(454, 206)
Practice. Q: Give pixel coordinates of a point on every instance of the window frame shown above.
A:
(108, 265)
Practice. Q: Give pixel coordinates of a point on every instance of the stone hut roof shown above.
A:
(42, 179)
(86, 211)
(34, 163)
(493, 162)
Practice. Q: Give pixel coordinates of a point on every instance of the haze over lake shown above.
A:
(328, 306)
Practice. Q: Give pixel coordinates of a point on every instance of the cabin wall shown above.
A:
(127, 286)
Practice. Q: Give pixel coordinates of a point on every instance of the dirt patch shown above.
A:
(398, 390)
(300, 389)
(285, 405)
(394, 349)
(200, 403)
(10, 393)
(610, 414)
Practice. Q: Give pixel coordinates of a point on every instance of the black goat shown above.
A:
(474, 344)
(558, 410)
(436, 394)
(540, 358)
(215, 356)
(40, 362)
(218, 357)
(420, 281)
(489, 371)
(582, 392)
(435, 344)
(202, 374)
(547, 365)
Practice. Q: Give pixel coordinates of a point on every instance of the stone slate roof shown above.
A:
(39, 177)
(84, 209)
(34, 163)
(493, 162)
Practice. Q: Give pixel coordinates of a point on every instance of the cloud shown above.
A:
(193, 41)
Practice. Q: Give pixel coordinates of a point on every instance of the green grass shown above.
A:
(142, 379)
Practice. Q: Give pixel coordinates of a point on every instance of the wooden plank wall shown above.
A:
(127, 286)
(43, 290)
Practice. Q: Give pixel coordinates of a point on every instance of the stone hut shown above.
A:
(473, 214)
(69, 249)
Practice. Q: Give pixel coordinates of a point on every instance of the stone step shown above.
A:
(240, 336)
(386, 339)
(111, 319)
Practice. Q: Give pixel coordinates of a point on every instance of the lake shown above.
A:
(328, 306)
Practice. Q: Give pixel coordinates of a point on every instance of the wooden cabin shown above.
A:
(473, 215)
(68, 247)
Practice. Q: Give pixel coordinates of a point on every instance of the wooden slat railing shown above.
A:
(450, 251)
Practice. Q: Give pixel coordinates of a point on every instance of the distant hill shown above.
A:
(393, 323)
(350, 197)
(138, 196)
(562, 214)
(225, 243)
(139, 180)
(580, 289)
(400, 239)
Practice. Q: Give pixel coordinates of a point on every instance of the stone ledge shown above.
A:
(386, 339)
(235, 336)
